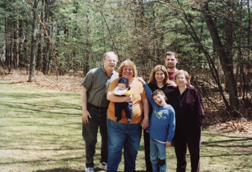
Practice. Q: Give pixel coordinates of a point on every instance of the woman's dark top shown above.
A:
(189, 110)
(166, 89)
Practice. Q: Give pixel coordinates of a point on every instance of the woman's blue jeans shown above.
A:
(121, 136)
(157, 155)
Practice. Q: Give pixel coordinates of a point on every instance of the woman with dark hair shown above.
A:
(158, 80)
(189, 110)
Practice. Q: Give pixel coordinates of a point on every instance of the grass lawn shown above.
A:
(40, 131)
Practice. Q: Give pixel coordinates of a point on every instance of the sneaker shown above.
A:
(89, 169)
(103, 165)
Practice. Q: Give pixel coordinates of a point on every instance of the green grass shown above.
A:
(40, 130)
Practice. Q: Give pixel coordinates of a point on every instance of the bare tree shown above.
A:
(225, 59)
(46, 44)
(33, 43)
(16, 44)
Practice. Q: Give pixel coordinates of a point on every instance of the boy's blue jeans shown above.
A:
(157, 155)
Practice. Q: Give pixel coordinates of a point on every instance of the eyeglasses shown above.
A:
(111, 61)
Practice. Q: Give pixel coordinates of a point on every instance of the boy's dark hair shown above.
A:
(158, 91)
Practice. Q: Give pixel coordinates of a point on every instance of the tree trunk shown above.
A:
(89, 48)
(16, 46)
(239, 56)
(38, 62)
(33, 44)
(50, 34)
(249, 36)
(7, 45)
(229, 43)
(143, 51)
(25, 59)
(226, 61)
(40, 43)
(9, 49)
(45, 47)
(20, 42)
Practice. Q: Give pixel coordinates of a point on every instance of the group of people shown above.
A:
(121, 104)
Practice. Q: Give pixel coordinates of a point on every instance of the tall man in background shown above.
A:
(94, 108)
(171, 61)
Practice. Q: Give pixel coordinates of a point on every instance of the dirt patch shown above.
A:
(68, 82)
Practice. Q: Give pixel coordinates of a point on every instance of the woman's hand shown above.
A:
(171, 83)
(168, 144)
(140, 79)
(145, 123)
(114, 98)
(128, 99)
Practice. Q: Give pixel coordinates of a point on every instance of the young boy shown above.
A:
(123, 90)
(161, 127)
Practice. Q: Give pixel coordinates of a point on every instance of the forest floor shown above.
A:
(214, 119)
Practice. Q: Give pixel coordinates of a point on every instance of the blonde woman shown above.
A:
(123, 135)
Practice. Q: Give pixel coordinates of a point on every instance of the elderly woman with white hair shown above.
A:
(189, 110)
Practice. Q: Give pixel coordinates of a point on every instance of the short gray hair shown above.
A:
(110, 53)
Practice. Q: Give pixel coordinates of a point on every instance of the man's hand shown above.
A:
(168, 144)
(145, 123)
(85, 116)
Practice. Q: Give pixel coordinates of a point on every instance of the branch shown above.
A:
(210, 62)
(231, 21)
(48, 38)
(175, 6)
(113, 42)
(204, 95)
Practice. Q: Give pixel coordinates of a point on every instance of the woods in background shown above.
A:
(212, 38)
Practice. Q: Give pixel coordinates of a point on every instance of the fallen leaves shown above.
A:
(237, 126)
(61, 83)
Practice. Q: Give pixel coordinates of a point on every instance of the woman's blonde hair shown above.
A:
(187, 76)
(153, 72)
(127, 63)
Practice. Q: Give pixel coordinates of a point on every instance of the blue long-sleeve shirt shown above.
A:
(162, 121)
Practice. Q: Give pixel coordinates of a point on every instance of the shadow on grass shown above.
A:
(52, 104)
(42, 108)
(71, 170)
(27, 94)
(227, 147)
(229, 142)
(215, 143)
(60, 170)
(76, 159)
